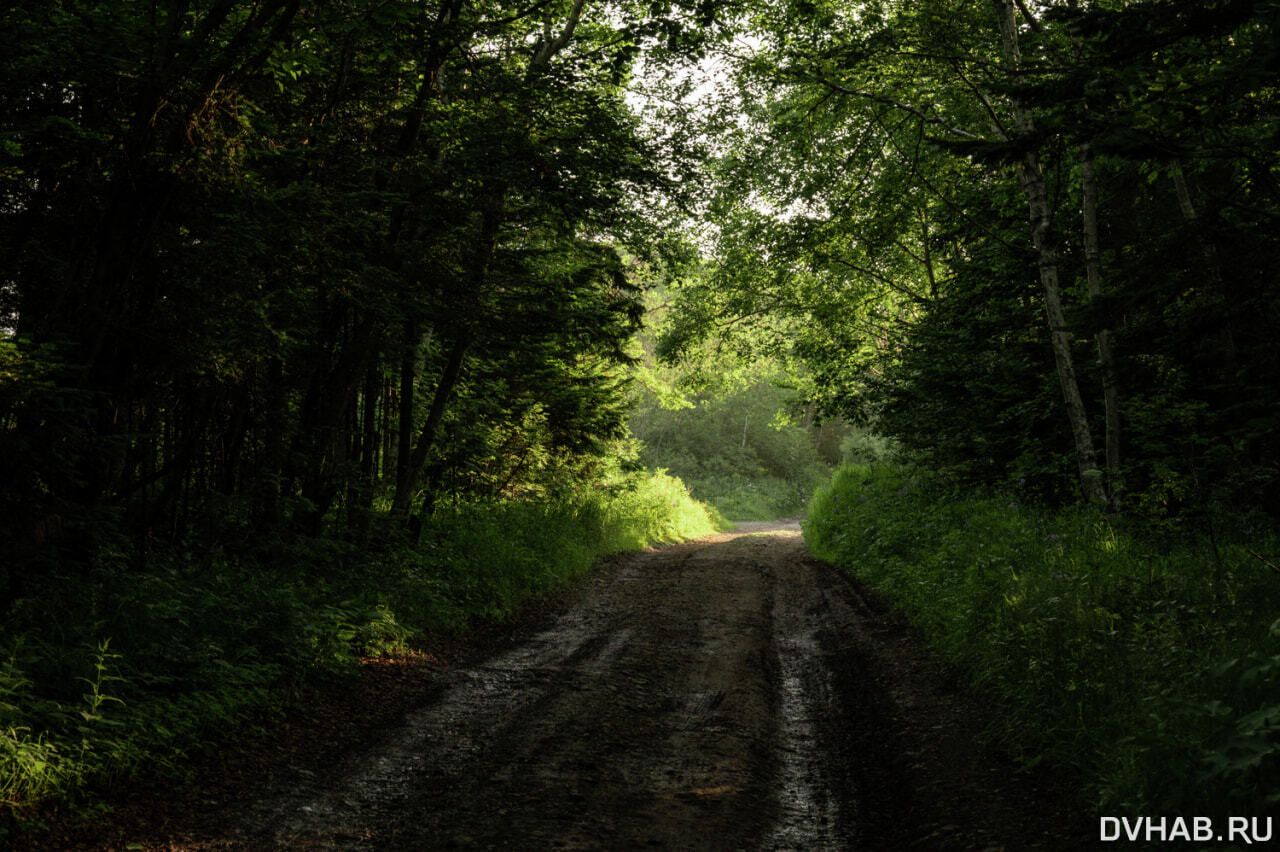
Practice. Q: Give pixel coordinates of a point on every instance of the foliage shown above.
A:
(104, 680)
(730, 422)
(739, 452)
(1147, 663)
(312, 329)
(871, 219)
(861, 447)
(270, 265)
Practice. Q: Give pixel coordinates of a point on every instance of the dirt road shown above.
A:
(729, 693)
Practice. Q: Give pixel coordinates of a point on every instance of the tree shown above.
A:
(256, 253)
(871, 195)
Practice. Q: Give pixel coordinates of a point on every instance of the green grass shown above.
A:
(1151, 666)
(753, 498)
(483, 560)
(118, 672)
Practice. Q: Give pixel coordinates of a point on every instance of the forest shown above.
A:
(330, 328)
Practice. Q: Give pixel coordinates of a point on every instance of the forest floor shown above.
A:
(727, 693)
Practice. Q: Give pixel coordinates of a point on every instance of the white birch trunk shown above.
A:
(1031, 178)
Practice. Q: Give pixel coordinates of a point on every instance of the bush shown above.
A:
(741, 452)
(758, 498)
(1151, 667)
(197, 648)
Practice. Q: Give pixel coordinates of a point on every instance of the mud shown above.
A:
(729, 693)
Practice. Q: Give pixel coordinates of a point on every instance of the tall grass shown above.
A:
(118, 672)
(756, 497)
(1152, 667)
(482, 560)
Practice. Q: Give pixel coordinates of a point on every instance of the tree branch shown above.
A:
(899, 105)
(1031, 19)
(877, 276)
(942, 196)
(996, 124)
(550, 47)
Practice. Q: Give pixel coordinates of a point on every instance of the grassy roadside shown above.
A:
(755, 498)
(115, 673)
(1149, 665)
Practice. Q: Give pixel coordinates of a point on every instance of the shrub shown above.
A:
(126, 671)
(742, 452)
(1151, 667)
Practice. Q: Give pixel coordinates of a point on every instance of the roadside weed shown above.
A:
(1150, 666)
(117, 673)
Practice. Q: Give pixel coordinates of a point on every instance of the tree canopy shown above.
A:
(277, 265)
(310, 257)
(1033, 242)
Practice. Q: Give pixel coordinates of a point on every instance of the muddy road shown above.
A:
(729, 693)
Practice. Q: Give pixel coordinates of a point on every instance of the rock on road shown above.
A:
(727, 693)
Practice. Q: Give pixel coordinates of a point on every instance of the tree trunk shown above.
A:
(1093, 281)
(493, 214)
(360, 490)
(1106, 360)
(1217, 283)
(448, 379)
(322, 446)
(268, 514)
(408, 384)
(1031, 177)
(928, 253)
(1213, 268)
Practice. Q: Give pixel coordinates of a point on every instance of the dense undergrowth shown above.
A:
(743, 452)
(119, 671)
(1148, 663)
(751, 498)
